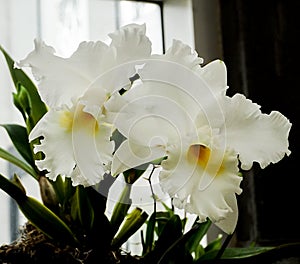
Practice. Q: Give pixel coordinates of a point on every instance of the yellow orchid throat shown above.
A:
(201, 155)
(78, 120)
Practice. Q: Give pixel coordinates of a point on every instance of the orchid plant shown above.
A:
(117, 110)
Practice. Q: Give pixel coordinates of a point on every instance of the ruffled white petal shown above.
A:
(106, 85)
(131, 155)
(62, 80)
(91, 58)
(255, 136)
(78, 178)
(183, 54)
(92, 147)
(56, 144)
(73, 139)
(130, 43)
(183, 181)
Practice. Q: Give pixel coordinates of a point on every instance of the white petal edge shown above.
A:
(92, 147)
(183, 54)
(56, 145)
(228, 224)
(61, 80)
(130, 43)
(130, 155)
(215, 75)
(255, 136)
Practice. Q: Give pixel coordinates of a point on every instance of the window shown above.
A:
(63, 24)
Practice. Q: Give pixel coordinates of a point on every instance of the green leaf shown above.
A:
(121, 208)
(192, 244)
(132, 223)
(11, 158)
(253, 254)
(96, 238)
(148, 243)
(19, 137)
(12, 188)
(237, 253)
(170, 233)
(212, 250)
(17, 182)
(38, 214)
(68, 189)
(20, 78)
(85, 209)
(214, 245)
(162, 218)
(169, 248)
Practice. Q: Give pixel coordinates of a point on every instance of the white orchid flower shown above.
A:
(75, 136)
(180, 111)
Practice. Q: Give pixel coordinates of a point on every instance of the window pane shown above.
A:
(62, 24)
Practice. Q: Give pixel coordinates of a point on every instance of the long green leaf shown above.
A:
(192, 244)
(13, 189)
(20, 77)
(231, 253)
(45, 220)
(85, 209)
(121, 208)
(11, 158)
(170, 245)
(95, 237)
(148, 245)
(19, 137)
(170, 233)
(38, 214)
(132, 223)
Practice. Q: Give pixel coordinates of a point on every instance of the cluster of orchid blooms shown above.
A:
(168, 108)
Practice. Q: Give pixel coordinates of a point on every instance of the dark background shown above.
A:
(258, 40)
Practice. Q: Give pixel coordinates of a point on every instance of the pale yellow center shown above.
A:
(79, 120)
(201, 155)
(66, 120)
